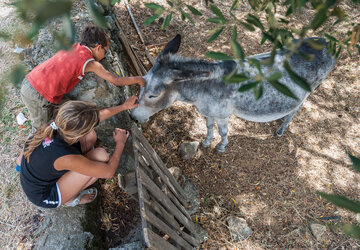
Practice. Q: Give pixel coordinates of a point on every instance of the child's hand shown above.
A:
(142, 81)
(130, 103)
(120, 135)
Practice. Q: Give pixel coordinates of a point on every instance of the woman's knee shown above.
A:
(98, 154)
(88, 141)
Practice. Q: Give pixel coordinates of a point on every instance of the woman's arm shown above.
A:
(85, 166)
(109, 112)
(100, 71)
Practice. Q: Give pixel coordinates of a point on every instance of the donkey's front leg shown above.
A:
(223, 131)
(210, 126)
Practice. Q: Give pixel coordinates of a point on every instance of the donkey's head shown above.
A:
(160, 90)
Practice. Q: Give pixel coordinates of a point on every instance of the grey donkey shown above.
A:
(200, 83)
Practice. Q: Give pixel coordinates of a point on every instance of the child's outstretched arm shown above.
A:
(100, 71)
(130, 103)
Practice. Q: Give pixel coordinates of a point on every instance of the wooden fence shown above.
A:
(165, 221)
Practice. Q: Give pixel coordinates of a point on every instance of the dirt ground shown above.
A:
(269, 182)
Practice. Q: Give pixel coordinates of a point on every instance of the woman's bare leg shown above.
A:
(72, 183)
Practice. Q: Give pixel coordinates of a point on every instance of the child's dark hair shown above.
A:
(93, 35)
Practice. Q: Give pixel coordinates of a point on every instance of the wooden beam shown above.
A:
(163, 199)
(156, 242)
(159, 166)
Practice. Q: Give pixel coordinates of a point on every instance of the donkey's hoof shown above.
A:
(205, 144)
(220, 149)
(278, 134)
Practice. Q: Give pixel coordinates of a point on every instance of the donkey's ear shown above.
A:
(172, 46)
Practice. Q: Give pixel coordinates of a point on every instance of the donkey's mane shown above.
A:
(217, 69)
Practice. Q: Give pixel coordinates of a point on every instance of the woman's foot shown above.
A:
(86, 196)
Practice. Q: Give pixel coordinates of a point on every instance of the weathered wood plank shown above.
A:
(163, 176)
(163, 199)
(163, 227)
(156, 242)
(140, 190)
(160, 168)
(169, 218)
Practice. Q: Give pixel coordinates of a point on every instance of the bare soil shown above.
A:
(269, 182)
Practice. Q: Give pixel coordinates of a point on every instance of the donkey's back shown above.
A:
(273, 104)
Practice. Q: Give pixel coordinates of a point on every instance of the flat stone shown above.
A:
(192, 195)
(188, 150)
(239, 230)
(201, 235)
(317, 230)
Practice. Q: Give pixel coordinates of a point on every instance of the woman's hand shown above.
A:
(120, 135)
(130, 103)
(141, 81)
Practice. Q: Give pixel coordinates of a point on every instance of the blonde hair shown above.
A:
(74, 120)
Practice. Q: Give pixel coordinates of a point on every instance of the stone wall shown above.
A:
(63, 227)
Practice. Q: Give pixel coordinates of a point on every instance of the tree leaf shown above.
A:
(258, 92)
(189, 17)
(350, 230)
(283, 89)
(355, 161)
(99, 18)
(170, 3)
(218, 56)
(247, 26)
(166, 21)
(215, 20)
(151, 19)
(237, 50)
(255, 62)
(233, 5)
(319, 19)
(275, 76)
(154, 6)
(17, 74)
(215, 35)
(255, 21)
(315, 44)
(50, 10)
(194, 11)
(183, 17)
(217, 11)
(296, 78)
(331, 38)
(236, 78)
(283, 20)
(234, 34)
(341, 201)
(248, 86)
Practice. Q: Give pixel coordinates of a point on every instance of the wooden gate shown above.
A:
(165, 221)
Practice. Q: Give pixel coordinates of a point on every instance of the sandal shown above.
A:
(77, 199)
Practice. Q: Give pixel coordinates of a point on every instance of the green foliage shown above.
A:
(343, 202)
(276, 30)
(17, 74)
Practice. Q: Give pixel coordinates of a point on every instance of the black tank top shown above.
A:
(39, 175)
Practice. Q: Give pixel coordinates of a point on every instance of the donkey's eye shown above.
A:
(152, 96)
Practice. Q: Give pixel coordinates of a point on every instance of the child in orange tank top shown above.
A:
(44, 87)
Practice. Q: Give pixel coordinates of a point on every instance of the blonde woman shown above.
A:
(58, 163)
